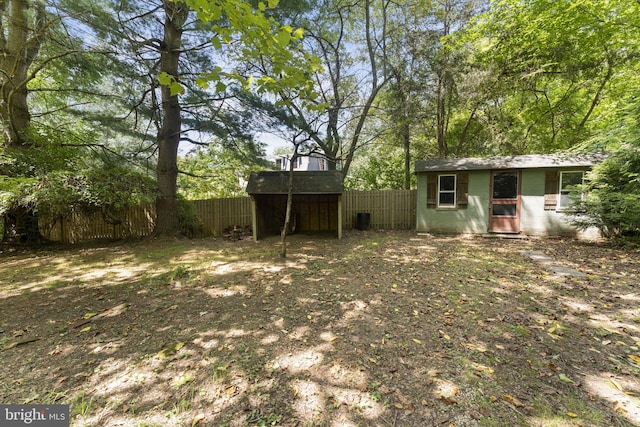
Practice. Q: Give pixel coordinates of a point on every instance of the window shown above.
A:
(505, 185)
(446, 191)
(568, 182)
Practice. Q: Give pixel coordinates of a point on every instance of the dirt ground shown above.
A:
(378, 329)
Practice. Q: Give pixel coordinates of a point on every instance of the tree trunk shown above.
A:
(406, 143)
(441, 131)
(443, 87)
(167, 223)
(17, 56)
(287, 215)
(21, 31)
(405, 131)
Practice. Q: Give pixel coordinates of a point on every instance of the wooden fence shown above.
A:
(388, 210)
(218, 214)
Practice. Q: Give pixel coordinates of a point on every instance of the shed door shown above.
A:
(504, 208)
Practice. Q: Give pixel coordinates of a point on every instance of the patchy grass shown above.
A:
(377, 329)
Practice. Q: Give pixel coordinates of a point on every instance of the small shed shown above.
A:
(317, 202)
(513, 194)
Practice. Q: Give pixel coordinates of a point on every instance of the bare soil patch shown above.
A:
(378, 329)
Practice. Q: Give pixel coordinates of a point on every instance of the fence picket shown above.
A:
(388, 209)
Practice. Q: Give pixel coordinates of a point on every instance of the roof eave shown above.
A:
(509, 162)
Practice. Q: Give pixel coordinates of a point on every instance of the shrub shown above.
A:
(190, 224)
(612, 195)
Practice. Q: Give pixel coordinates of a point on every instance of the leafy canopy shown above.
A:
(56, 178)
(236, 22)
(611, 198)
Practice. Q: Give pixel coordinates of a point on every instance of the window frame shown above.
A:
(564, 192)
(454, 192)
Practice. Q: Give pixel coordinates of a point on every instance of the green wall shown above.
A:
(473, 220)
(534, 219)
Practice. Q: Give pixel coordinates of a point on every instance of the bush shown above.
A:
(188, 219)
(612, 195)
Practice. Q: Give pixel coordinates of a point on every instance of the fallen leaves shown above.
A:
(170, 350)
(476, 347)
(446, 391)
(20, 342)
(91, 316)
(556, 330)
(566, 379)
(197, 419)
(635, 358)
(428, 343)
(512, 400)
(615, 384)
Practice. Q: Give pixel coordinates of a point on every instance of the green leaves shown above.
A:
(172, 83)
(261, 38)
(558, 68)
(612, 200)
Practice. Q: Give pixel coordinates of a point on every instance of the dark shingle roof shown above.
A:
(560, 160)
(304, 182)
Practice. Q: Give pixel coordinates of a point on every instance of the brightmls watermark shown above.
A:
(34, 415)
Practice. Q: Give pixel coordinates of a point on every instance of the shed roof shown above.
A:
(558, 160)
(304, 182)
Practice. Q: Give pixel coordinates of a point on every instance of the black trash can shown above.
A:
(364, 221)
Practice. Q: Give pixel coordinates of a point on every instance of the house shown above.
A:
(317, 202)
(314, 161)
(516, 194)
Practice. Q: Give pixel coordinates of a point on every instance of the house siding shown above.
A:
(473, 219)
(534, 219)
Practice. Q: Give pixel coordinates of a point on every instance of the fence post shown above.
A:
(339, 216)
(392, 205)
(390, 209)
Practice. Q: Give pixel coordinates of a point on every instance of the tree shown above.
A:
(348, 40)
(381, 169)
(215, 171)
(21, 36)
(400, 105)
(58, 61)
(449, 15)
(552, 70)
(168, 139)
(609, 199)
(34, 50)
(226, 23)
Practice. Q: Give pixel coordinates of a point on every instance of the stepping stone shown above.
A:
(550, 264)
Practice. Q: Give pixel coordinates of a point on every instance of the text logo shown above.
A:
(34, 415)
